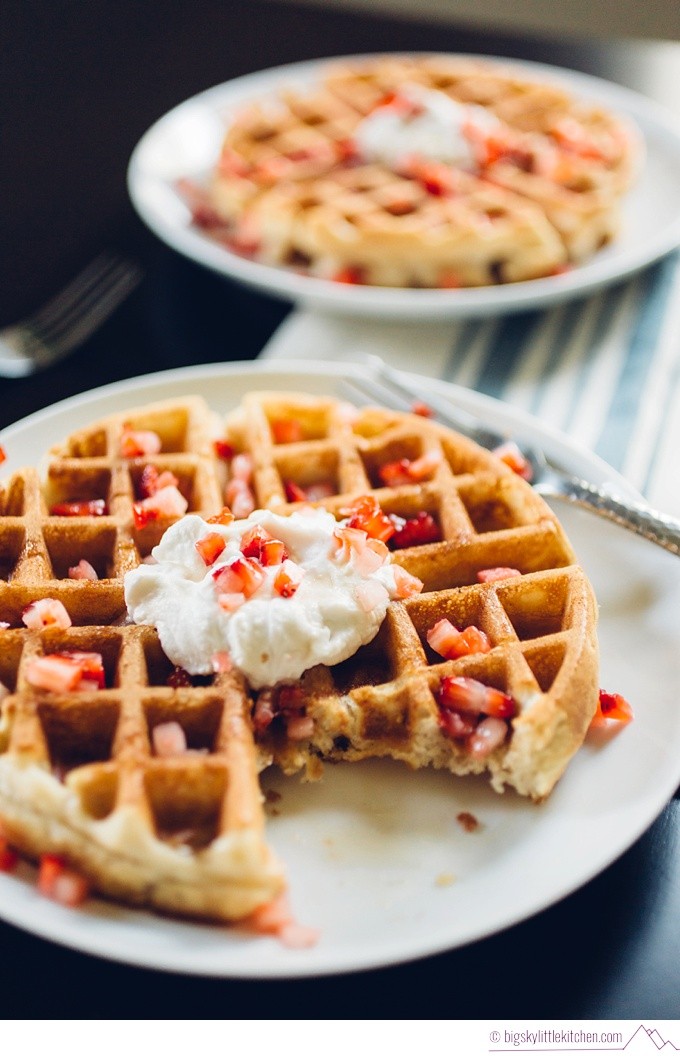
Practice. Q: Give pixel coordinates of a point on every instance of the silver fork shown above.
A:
(67, 319)
(382, 385)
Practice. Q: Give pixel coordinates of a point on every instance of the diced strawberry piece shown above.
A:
(8, 856)
(454, 724)
(46, 613)
(242, 467)
(366, 560)
(420, 408)
(226, 579)
(407, 585)
(270, 917)
(210, 547)
(378, 546)
(612, 709)
(53, 673)
(221, 662)
(58, 882)
(251, 573)
(471, 696)
(80, 508)
(148, 482)
(510, 454)
(346, 151)
(258, 543)
(319, 490)
(473, 641)
(353, 276)
(139, 443)
(453, 643)
(443, 638)
(435, 178)
(63, 672)
(289, 699)
(225, 517)
(487, 576)
(422, 529)
(294, 492)
(143, 515)
(264, 712)
(152, 481)
(288, 579)
(168, 502)
(273, 553)
(232, 164)
(240, 498)
(286, 431)
(91, 664)
(3, 454)
(572, 136)
(299, 728)
(425, 465)
(488, 735)
(169, 740)
(242, 575)
(83, 571)
(449, 280)
(253, 540)
(223, 450)
(179, 677)
(395, 473)
(245, 242)
(366, 513)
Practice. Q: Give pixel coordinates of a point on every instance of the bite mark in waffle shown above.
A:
(291, 189)
(383, 701)
(79, 776)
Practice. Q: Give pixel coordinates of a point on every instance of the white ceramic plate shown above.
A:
(186, 143)
(375, 856)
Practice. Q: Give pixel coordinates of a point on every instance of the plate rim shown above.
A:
(57, 926)
(374, 302)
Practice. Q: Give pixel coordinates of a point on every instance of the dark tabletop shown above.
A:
(80, 84)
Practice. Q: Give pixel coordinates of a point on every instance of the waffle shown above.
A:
(383, 702)
(80, 775)
(544, 191)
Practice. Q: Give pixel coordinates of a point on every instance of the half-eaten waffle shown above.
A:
(91, 770)
(366, 177)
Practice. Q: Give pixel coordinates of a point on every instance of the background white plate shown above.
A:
(186, 143)
(369, 847)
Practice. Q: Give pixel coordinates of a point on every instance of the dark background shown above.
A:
(80, 83)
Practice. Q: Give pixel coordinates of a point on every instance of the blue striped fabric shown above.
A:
(603, 369)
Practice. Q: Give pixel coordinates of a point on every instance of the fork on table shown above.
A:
(69, 318)
(383, 385)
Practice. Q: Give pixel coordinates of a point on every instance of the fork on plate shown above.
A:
(383, 385)
(69, 318)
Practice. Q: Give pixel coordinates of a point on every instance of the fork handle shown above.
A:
(660, 528)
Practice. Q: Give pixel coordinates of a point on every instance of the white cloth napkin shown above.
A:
(603, 369)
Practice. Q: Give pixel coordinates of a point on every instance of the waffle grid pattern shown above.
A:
(79, 774)
(541, 626)
(296, 197)
(37, 548)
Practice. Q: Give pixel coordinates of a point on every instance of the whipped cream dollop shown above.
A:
(421, 122)
(338, 605)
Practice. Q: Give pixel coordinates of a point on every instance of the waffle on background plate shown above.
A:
(80, 776)
(541, 191)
